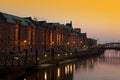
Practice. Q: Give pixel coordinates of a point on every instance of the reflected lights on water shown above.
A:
(71, 68)
(45, 76)
(58, 72)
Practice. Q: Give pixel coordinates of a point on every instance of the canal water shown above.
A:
(103, 67)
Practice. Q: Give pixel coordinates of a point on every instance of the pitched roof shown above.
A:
(14, 19)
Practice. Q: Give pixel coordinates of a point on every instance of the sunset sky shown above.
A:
(100, 19)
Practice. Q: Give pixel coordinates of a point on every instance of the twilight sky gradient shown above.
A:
(99, 18)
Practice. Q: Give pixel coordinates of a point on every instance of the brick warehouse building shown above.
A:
(53, 35)
(17, 34)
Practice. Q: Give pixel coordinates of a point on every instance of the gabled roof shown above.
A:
(14, 19)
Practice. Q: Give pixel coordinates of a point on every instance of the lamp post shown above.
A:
(52, 43)
(68, 43)
(25, 44)
(73, 44)
(26, 51)
(52, 50)
(81, 44)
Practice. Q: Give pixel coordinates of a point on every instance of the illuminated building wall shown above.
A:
(18, 34)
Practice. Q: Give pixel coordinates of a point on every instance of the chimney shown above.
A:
(71, 23)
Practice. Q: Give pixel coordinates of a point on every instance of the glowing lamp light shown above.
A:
(68, 43)
(58, 72)
(16, 58)
(71, 68)
(68, 68)
(81, 42)
(66, 54)
(84, 46)
(24, 78)
(45, 55)
(70, 53)
(53, 42)
(58, 55)
(65, 69)
(38, 59)
(25, 41)
(73, 42)
(45, 76)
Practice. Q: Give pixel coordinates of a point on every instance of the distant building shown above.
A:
(77, 30)
(91, 42)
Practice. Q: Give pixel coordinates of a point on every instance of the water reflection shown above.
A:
(45, 76)
(58, 72)
(103, 67)
(62, 72)
(110, 57)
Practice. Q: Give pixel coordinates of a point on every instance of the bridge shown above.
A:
(112, 45)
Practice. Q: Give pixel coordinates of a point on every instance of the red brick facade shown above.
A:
(22, 33)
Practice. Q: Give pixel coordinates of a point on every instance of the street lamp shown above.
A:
(68, 45)
(70, 53)
(45, 55)
(25, 44)
(66, 54)
(52, 44)
(58, 55)
(81, 42)
(25, 41)
(16, 58)
(73, 44)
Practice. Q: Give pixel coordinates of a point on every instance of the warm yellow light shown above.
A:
(68, 43)
(53, 42)
(16, 58)
(81, 42)
(45, 76)
(73, 42)
(66, 54)
(24, 78)
(25, 41)
(58, 55)
(68, 68)
(38, 59)
(70, 53)
(71, 68)
(58, 72)
(84, 46)
(45, 55)
(65, 69)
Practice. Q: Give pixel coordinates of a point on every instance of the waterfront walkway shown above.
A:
(43, 60)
